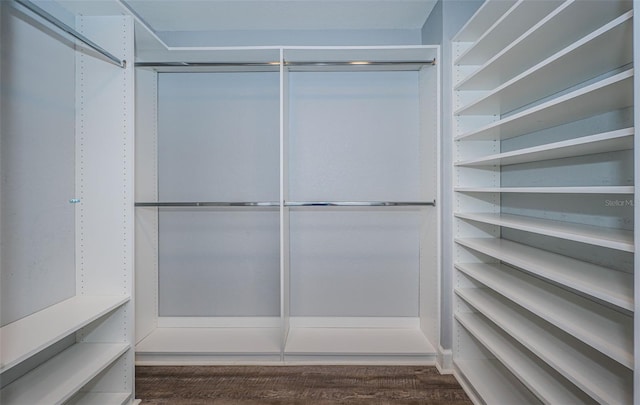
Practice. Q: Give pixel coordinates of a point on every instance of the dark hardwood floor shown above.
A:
(312, 385)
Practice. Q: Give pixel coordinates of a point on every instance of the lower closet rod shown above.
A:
(359, 203)
(208, 204)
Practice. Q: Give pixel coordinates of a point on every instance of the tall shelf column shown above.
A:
(78, 349)
(544, 193)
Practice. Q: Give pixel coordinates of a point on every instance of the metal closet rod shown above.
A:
(272, 64)
(359, 203)
(291, 204)
(209, 204)
(362, 63)
(64, 27)
(205, 64)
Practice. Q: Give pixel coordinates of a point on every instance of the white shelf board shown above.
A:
(567, 68)
(614, 287)
(212, 55)
(317, 54)
(535, 375)
(23, 338)
(494, 383)
(222, 341)
(358, 342)
(612, 141)
(609, 94)
(483, 19)
(578, 363)
(101, 398)
(602, 328)
(550, 190)
(606, 237)
(60, 378)
(518, 19)
(577, 17)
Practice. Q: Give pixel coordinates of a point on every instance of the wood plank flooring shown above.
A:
(308, 385)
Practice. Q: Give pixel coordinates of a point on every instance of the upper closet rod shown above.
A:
(205, 64)
(363, 63)
(272, 64)
(64, 27)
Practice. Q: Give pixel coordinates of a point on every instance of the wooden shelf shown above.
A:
(358, 342)
(580, 364)
(565, 25)
(610, 94)
(494, 383)
(518, 19)
(567, 68)
(64, 375)
(614, 287)
(543, 381)
(600, 327)
(600, 143)
(550, 190)
(483, 19)
(619, 239)
(27, 336)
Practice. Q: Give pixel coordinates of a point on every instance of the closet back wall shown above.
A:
(219, 142)
(354, 136)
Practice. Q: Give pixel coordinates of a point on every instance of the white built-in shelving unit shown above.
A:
(322, 274)
(70, 338)
(544, 296)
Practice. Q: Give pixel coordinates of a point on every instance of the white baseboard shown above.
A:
(444, 361)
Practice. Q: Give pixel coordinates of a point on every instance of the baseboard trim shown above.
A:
(444, 361)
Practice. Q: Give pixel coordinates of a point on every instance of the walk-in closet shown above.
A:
(437, 183)
(289, 209)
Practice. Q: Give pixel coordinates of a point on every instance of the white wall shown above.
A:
(444, 22)
(37, 265)
(218, 140)
(354, 137)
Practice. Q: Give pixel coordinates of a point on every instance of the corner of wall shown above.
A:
(444, 361)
